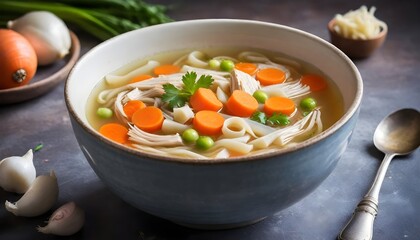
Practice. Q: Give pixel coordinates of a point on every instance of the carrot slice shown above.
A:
(115, 132)
(132, 106)
(205, 99)
(208, 122)
(241, 104)
(166, 69)
(148, 119)
(315, 82)
(269, 76)
(279, 105)
(140, 78)
(246, 67)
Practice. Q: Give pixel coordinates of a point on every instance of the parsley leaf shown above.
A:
(172, 96)
(189, 82)
(179, 97)
(278, 119)
(259, 117)
(205, 81)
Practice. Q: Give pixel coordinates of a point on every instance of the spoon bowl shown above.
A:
(397, 134)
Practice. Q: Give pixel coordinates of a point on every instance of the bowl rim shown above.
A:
(353, 107)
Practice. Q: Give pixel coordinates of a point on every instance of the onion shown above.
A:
(17, 173)
(47, 33)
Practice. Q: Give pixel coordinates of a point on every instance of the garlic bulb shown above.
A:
(65, 221)
(39, 198)
(47, 33)
(17, 173)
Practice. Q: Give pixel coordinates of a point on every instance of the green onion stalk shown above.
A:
(101, 18)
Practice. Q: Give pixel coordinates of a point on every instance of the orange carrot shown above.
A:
(315, 82)
(241, 104)
(269, 76)
(18, 60)
(279, 105)
(208, 122)
(140, 78)
(132, 106)
(205, 99)
(148, 119)
(115, 132)
(246, 67)
(166, 69)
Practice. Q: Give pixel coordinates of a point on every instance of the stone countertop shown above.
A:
(391, 81)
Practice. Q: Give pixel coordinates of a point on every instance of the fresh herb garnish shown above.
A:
(278, 119)
(178, 97)
(259, 117)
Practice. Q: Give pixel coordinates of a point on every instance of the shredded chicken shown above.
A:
(108, 95)
(281, 137)
(243, 81)
(289, 89)
(149, 139)
(118, 107)
(137, 94)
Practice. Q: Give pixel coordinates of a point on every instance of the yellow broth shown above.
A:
(329, 100)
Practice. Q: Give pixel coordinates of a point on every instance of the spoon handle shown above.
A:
(360, 226)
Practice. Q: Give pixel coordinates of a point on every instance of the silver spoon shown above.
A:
(397, 134)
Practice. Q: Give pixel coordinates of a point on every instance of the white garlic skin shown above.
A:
(65, 221)
(39, 198)
(46, 32)
(17, 173)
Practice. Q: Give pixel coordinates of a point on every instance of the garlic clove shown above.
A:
(47, 33)
(39, 198)
(17, 173)
(65, 221)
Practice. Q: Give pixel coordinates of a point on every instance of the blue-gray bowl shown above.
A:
(219, 193)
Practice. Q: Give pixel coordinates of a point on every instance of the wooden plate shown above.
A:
(45, 79)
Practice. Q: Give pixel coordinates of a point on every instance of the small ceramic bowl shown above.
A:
(213, 193)
(356, 48)
(45, 79)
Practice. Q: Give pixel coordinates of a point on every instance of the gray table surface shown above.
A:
(391, 81)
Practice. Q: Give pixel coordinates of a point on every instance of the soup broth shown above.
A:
(214, 103)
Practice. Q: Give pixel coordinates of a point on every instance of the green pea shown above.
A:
(308, 104)
(260, 96)
(204, 142)
(215, 64)
(190, 135)
(227, 65)
(104, 112)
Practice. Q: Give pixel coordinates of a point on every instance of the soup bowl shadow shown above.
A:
(216, 193)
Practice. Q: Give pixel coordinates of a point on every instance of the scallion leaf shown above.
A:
(38, 147)
(101, 18)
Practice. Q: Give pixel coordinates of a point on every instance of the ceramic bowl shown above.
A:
(218, 193)
(45, 79)
(356, 48)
